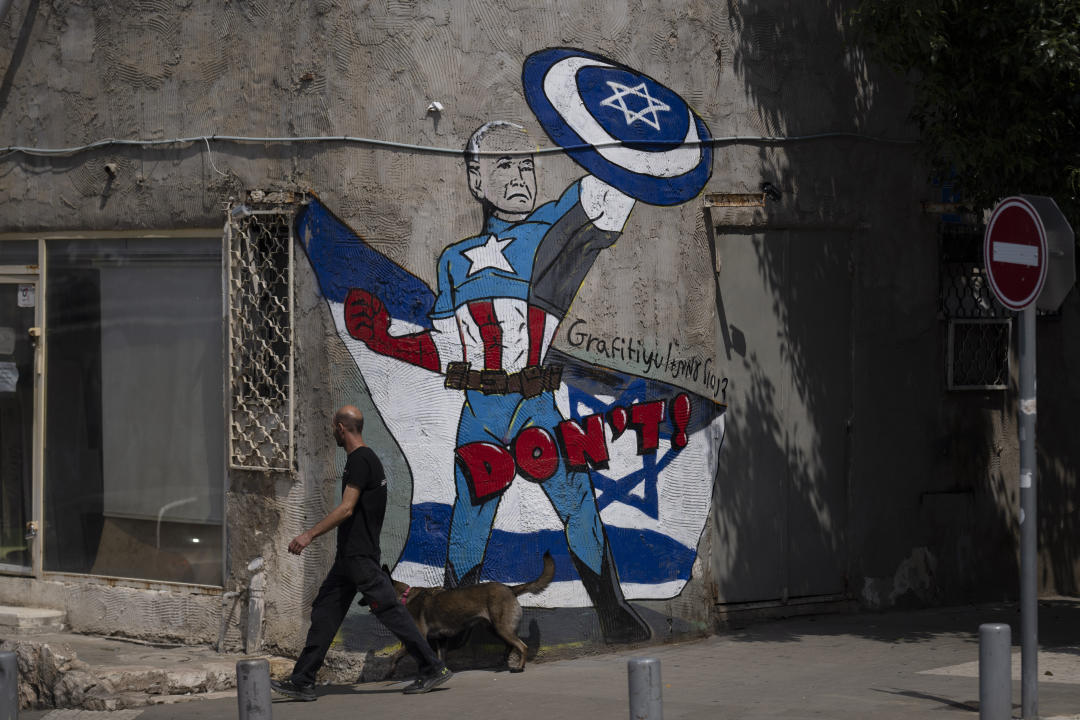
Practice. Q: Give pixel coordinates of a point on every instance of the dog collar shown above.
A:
(405, 595)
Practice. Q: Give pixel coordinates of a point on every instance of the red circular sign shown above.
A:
(1014, 250)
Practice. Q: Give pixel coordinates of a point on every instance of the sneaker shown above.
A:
(427, 683)
(304, 693)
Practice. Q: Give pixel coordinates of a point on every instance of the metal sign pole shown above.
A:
(1029, 250)
(1029, 644)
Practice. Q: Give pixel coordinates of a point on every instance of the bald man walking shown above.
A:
(358, 519)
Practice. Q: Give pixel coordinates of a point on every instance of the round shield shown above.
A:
(622, 126)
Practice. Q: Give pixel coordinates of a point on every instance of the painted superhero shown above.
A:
(501, 296)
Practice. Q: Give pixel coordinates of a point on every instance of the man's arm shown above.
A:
(367, 320)
(574, 240)
(607, 207)
(333, 518)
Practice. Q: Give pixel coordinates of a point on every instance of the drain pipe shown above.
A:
(256, 588)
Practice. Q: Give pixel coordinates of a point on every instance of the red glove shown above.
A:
(367, 320)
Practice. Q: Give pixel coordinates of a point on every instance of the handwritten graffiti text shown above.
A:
(655, 360)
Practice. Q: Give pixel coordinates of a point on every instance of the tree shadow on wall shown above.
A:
(1056, 480)
(847, 470)
(781, 497)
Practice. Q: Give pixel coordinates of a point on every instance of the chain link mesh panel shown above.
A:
(979, 354)
(965, 287)
(260, 267)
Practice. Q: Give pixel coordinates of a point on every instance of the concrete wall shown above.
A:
(846, 471)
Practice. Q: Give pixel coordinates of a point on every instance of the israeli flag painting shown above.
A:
(516, 445)
(653, 492)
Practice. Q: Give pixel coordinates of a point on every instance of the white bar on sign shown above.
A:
(1016, 254)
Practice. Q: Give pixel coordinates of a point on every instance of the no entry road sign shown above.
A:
(1022, 233)
(1015, 252)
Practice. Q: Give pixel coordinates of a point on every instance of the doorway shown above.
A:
(784, 302)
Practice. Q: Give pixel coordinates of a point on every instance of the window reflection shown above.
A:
(134, 448)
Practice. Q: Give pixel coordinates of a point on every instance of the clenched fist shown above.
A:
(366, 318)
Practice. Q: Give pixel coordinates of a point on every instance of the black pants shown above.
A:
(348, 576)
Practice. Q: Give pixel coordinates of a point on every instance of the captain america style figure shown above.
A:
(467, 369)
(500, 299)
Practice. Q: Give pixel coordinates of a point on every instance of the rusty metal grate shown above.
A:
(259, 251)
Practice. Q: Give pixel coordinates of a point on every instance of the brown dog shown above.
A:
(441, 613)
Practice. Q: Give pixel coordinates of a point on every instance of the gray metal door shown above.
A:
(784, 300)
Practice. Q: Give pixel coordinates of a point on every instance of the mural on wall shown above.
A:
(516, 448)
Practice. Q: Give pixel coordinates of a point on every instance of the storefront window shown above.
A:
(134, 431)
(18, 252)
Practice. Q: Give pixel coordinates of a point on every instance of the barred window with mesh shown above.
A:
(977, 350)
(259, 256)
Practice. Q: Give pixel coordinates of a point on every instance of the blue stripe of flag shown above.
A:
(342, 261)
(641, 556)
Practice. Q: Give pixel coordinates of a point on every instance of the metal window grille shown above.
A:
(259, 245)
(965, 288)
(977, 353)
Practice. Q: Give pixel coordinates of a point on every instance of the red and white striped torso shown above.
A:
(504, 334)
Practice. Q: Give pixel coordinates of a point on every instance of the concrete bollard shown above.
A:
(9, 686)
(646, 700)
(253, 689)
(995, 672)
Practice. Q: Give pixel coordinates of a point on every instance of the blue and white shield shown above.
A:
(622, 126)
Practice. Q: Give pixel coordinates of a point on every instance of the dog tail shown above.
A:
(541, 582)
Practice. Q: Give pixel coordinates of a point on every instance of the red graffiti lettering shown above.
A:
(536, 455)
(586, 447)
(680, 418)
(646, 419)
(488, 468)
(618, 419)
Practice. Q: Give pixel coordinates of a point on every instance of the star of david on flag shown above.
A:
(622, 484)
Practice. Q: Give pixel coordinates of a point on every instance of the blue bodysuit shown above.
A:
(508, 288)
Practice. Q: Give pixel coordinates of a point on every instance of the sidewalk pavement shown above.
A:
(889, 666)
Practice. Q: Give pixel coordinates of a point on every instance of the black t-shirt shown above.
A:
(359, 534)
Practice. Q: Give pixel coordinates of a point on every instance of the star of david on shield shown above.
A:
(621, 125)
(652, 107)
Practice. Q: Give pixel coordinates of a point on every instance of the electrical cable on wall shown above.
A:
(716, 141)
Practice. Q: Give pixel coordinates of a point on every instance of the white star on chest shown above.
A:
(489, 255)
